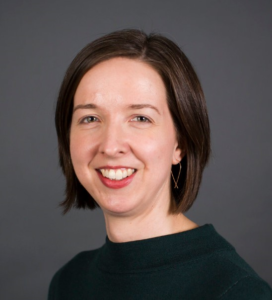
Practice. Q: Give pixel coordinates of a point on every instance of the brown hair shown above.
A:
(185, 99)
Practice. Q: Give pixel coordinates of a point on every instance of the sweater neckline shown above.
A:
(159, 252)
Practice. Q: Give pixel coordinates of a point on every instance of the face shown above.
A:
(122, 139)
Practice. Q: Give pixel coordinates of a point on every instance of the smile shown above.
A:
(117, 174)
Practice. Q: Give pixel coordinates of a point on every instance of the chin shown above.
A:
(120, 207)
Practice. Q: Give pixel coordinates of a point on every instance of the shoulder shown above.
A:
(248, 288)
(234, 277)
(243, 281)
(81, 260)
(71, 272)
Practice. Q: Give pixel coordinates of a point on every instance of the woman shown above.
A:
(134, 138)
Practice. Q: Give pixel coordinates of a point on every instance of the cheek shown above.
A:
(80, 149)
(75, 149)
(155, 150)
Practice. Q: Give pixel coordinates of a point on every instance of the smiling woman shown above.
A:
(113, 141)
(134, 138)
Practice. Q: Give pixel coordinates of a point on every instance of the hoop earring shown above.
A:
(176, 182)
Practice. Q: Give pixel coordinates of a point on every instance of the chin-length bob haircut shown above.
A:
(185, 100)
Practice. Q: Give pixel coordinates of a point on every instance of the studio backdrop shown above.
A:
(230, 46)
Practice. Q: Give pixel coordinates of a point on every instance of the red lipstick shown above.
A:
(115, 167)
(115, 184)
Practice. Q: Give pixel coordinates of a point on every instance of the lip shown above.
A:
(115, 167)
(115, 184)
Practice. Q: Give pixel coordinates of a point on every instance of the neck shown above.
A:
(153, 224)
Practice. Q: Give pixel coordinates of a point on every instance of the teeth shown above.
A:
(125, 174)
(117, 174)
(111, 174)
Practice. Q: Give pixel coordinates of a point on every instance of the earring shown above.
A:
(176, 182)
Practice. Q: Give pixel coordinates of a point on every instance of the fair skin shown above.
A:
(123, 145)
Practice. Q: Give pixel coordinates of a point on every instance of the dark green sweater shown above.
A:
(196, 264)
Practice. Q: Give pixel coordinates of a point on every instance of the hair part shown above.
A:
(185, 100)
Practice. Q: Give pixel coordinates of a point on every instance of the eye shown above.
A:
(141, 119)
(89, 119)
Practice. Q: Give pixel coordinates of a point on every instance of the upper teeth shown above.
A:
(117, 174)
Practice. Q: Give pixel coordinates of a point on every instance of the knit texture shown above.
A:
(194, 265)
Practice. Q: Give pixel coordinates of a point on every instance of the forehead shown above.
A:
(121, 79)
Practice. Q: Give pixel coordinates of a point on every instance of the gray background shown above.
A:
(228, 42)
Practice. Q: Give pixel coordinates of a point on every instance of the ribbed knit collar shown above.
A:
(160, 252)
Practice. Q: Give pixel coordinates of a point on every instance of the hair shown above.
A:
(185, 100)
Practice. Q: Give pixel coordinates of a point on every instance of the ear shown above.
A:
(177, 155)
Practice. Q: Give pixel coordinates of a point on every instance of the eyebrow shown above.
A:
(133, 106)
(84, 106)
(140, 106)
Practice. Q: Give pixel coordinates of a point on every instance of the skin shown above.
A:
(121, 118)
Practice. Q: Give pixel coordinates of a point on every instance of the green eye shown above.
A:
(89, 119)
(141, 119)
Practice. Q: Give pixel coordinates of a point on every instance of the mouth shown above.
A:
(116, 174)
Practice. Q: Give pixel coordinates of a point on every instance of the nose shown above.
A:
(113, 141)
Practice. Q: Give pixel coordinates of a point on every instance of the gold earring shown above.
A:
(176, 182)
